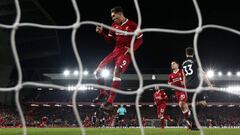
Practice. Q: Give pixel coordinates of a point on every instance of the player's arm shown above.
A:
(138, 41)
(139, 38)
(183, 82)
(109, 38)
(206, 80)
(155, 100)
(169, 80)
(165, 96)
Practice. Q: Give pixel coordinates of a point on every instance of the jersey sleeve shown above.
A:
(134, 27)
(195, 65)
(164, 96)
(111, 33)
(139, 39)
(184, 78)
(169, 79)
(154, 98)
(109, 37)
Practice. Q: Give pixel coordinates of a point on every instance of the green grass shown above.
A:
(117, 131)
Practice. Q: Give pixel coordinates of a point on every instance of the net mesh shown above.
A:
(74, 27)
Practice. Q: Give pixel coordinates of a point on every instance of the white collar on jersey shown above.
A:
(175, 71)
(124, 22)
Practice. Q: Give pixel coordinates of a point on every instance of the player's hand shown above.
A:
(202, 104)
(99, 29)
(127, 51)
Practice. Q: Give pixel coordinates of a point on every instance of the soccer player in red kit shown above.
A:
(177, 78)
(160, 100)
(44, 121)
(120, 55)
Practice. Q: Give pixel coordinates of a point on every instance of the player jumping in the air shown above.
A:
(120, 55)
(160, 100)
(190, 68)
(177, 78)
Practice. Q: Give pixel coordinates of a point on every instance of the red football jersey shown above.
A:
(176, 78)
(160, 97)
(122, 39)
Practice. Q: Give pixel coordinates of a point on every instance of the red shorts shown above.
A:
(121, 60)
(161, 109)
(181, 96)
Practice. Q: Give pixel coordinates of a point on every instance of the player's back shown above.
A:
(190, 68)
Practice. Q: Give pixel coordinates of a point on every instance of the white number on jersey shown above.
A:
(188, 70)
(123, 63)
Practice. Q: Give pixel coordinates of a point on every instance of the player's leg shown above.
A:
(100, 80)
(168, 118)
(194, 126)
(160, 112)
(102, 92)
(121, 65)
(200, 105)
(182, 102)
(121, 120)
(186, 113)
(116, 83)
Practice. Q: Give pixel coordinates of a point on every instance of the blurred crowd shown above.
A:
(64, 117)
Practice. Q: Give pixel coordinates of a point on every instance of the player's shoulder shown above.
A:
(180, 71)
(130, 22)
(170, 75)
(188, 60)
(114, 24)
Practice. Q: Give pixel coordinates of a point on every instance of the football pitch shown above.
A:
(118, 131)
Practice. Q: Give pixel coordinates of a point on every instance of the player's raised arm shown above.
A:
(169, 80)
(184, 79)
(139, 38)
(108, 38)
(165, 96)
(99, 29)
(206, 80)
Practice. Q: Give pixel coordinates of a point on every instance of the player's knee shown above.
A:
(117, 72)
(97, 74)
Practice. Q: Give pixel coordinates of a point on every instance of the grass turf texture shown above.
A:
(117, 131)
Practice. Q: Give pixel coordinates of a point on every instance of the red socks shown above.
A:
(163, 122)
(115, 84)
(102, 92)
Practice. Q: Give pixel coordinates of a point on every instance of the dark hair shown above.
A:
(175, 61)
(117, 9)
(189, 51)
